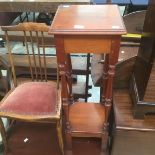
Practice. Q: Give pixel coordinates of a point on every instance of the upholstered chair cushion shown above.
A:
(31, 98)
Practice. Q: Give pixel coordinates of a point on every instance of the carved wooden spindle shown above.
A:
(34, 56)
(63, 71)
(105, 76)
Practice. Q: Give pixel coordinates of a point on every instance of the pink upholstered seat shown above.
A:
(32, 98)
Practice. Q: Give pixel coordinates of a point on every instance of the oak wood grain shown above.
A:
(123, 109)
(95, 20)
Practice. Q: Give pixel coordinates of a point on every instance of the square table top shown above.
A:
(88, 19)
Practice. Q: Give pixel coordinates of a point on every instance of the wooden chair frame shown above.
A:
(38, 73)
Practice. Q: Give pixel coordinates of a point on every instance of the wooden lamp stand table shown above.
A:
(87, 29)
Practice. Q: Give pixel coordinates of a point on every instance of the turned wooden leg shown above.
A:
(4, 138)
(68, 143)
(60, 137)
(104, 144)
(105, 79)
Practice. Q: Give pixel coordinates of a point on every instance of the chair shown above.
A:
(38, 100)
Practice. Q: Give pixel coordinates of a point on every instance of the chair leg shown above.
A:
(60, 139)
(68, 143)
(104, 144)
(3, 133)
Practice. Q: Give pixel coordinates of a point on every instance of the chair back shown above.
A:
(35, 54)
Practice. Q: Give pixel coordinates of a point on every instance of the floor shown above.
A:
(27, 141)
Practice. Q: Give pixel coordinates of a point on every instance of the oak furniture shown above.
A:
(36, 101)
(142, 81)
(131, 135)
(89, 29)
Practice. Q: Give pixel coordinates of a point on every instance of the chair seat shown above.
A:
(87, 117)
(30, 99)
